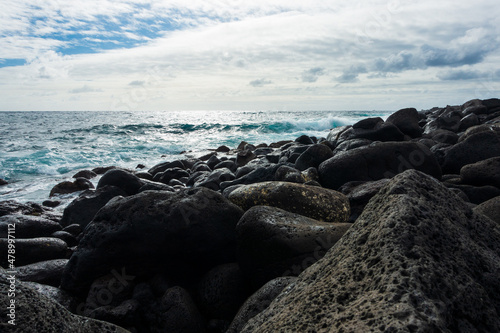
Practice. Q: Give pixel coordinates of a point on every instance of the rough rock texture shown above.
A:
(418, 260)
(485, 172)
(179, 232)
(476, 147)
(44, 272)
(273, 242)
(36, 313)
(311, 201)
(83, 209)
(377, 161)
(28, 226)
(407, 122)
(490, 208)
(360, 193)
(259, 301)
(32, 250)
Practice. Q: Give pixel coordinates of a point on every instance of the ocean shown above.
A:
(40, 149)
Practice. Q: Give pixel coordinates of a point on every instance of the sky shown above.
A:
(126, 55)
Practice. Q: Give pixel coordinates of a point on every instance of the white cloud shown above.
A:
(212, 54)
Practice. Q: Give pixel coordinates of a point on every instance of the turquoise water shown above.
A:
(40, 149)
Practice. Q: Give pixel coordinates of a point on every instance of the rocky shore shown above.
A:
(390, 226)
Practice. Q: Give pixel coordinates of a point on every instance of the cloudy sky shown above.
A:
(247, 55)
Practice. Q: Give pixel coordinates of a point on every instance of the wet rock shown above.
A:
(479, 129)
(44, 272)
(103, 170)
(273, 242)
(166, 165)
(33, 250)
(222, 291)
(3, 182)
(127, 314)
(226, 164)
(374, 129)
(243, 157)
(177, 232)
(223, 149)
(352, 144)
(476, 194)
(448, 119)
(279, 144)
(286, 173)
(313, 157)
(444, 136)
(201, 167)
(51, 203)
(305, 140)
(406, 120)
(83, 209)
(418, 259)
(155, 186)
(74, 229)
(37, 312)
(66, 237)
(169, 174)
(54, 293)
(27, 226)
(80, 184)
(377, 161)
(127, 181)
(213, 180)
(468, 121)
(260, 174)
(87, 174)
(259, 301)
(476, 147)
(490, 208)
(314, 202)
(486, 172)
(144, 175)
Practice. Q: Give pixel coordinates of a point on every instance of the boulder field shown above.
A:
(379, 226)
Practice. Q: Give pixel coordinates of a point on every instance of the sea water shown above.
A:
(40, 149)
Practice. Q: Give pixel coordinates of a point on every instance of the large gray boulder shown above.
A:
(273, 242)
(312, 201)
(37, 313)
(417, 260)
(176, 232)
(377, 161)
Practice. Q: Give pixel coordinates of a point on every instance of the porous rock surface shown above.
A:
(417, 260)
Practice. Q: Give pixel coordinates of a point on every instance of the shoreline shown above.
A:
(198, 244)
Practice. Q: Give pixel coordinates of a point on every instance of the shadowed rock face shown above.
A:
(418, 259)
(38, 313)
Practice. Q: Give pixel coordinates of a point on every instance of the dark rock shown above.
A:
(87, 174)
(54, 293)
(222, 291)
(213, 161)
(381, 131)
(226, 164)
(127, 181)
(279, 144)
(360, 193)
(314, 202)
(166, 165)
(198, 176)
(223, 149)
(368, 123)
(35, 312)
(490, 208)
(111, 289)
(83, 209)
(286, 173)
(155, 186)
(27, 226)
(31, 250)
(377, 161)
(448, 119)
(66, 237)
(444, 136)
(213, 180)
(468, 121)
(418, 259)
(51, 203)
(259, 301)
(477, 194)
(178, 232)
(243, 157)
(176, 312)
(172, 173)
(273, 242)
(80, 184)
(427, 142)
(144, 175)
(176, 182)
(479, 129)
(3, 182)
(261, 174)
(74, 229)
(9, 207)
(305, 140)
(486, 172)
(313, 157)
(310, 175)
(406, 120)
(190, 162)
(335, 133)
(263, 151)
(475, 148)
(201, 167)
(240, 172)
(207, 156)
(491, 103)
(274, 157)
(126, 314)
(352, 144)
(230, 189)
(44, 272)
(103, 170)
